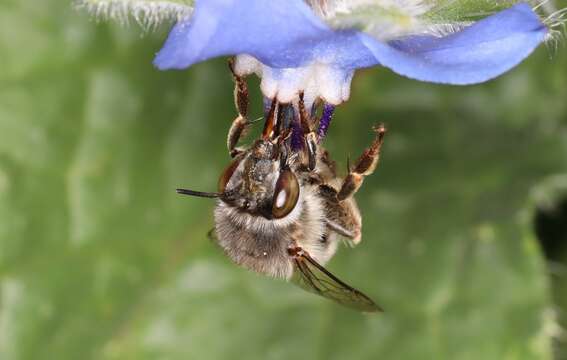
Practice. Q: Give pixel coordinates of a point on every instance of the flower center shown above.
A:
(316, 80)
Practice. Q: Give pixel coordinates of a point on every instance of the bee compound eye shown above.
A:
(286, 194)
(227, 174)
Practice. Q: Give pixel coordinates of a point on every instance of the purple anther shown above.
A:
(267, 106)
(296, 133)
(325, 121)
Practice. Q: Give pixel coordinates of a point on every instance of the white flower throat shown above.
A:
(315, 80)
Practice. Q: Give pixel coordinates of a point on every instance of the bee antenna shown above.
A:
(198, 193)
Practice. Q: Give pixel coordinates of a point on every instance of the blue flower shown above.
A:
(295, 49)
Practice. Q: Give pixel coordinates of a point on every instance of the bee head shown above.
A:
(260, 182)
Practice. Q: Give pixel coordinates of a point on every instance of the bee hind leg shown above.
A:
(241, 123)
(364, 166)
(342, 217)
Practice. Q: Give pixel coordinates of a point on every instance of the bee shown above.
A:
(281, 207)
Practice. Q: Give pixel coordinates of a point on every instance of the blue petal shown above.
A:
(478, 53)
(281, 34)
(284, 34)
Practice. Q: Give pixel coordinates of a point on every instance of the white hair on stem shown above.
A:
(148, 13)
(556, 22)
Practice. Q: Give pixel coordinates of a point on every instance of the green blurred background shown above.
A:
(101, 259)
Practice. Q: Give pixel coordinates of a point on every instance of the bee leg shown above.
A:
(310, 136)
(241, 123)
(342, 217)
(365, 165)
(269, 131)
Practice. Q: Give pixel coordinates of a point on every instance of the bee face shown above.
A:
(260, 242)
(260, 182)
(271, 204)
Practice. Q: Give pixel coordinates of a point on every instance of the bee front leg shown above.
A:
(310, 136)
(241, 123)
(365, 165)
(237, 130)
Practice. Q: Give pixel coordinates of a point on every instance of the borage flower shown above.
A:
(314, 46)
(291, 46)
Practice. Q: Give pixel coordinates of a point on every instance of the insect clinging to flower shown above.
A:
(282, 206)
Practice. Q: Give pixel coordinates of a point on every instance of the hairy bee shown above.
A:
(281, 206)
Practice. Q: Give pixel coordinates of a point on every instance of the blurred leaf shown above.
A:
(469, 10)
(549, 201)
(99, 258)
(386, 19)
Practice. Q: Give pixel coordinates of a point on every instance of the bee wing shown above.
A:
(313, 277)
